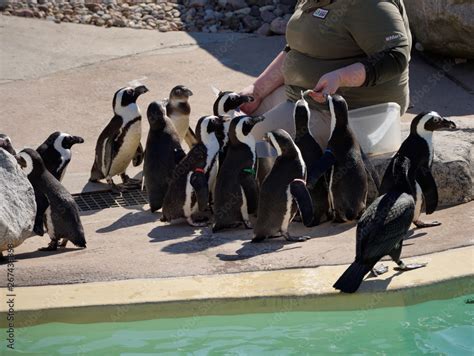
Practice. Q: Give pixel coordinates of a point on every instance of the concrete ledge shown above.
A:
(448, 274)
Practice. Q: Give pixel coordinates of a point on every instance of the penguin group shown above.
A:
(208, 176)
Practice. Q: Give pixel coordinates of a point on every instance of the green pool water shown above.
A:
(440, 327)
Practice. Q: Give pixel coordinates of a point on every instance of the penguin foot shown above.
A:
(52, 246)
(420, 224)
(290, 238)
(378, 270)
(409, 267)
(197, 222)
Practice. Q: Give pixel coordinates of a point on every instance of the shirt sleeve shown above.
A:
(379, 29)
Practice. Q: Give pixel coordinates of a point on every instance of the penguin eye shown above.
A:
(435, 119)
(129, 91)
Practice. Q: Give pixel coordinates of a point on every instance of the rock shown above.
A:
(243, 12)
(443, 26)
(251, 23)
(24, 13)
(264, 30)
(17, 205)
(237, 4)
(267, 16)
(197, 3)
(453, 162)
(278, 26)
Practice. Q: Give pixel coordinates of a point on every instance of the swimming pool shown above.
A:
(434, 327)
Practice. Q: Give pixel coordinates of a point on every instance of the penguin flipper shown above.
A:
(303, 199)
(190, 138)
(179, 154)
(373, 179)
(249, 186)
(326, 161)
(428, 186)
(201, 188)
(42, 204)
(139, 156)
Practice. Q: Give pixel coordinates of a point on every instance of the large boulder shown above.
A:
(17, 203)
(443, 26)
(453, 162)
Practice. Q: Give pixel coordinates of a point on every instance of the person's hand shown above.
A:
(329, 83)
(250, 107)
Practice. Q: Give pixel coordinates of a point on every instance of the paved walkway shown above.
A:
(62, 77)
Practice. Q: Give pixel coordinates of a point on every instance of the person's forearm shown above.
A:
(271, 78)
(352, 75)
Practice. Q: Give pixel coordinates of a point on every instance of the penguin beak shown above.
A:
(447, 124)
(76, 139)
(189, 92)
(246, 99)
(256, 119)
(21, 161)
(141, 89)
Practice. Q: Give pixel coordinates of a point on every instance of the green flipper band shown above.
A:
(249, 171)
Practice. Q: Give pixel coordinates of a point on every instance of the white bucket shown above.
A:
(377, 128)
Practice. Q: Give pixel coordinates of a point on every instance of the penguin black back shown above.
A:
(162, 153)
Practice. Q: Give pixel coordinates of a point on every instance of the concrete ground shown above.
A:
(62, 77)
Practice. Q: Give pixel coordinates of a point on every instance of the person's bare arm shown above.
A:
(270, 79)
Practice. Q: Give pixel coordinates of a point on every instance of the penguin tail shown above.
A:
(352, 278)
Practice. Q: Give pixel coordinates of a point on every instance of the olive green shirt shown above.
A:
(327, 35)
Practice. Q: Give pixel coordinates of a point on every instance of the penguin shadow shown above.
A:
(329, 228)
(174, 231)
(373, 283)
(206, 240)
(130, 219)
(38, 254)
(413, 235)
(250, 250)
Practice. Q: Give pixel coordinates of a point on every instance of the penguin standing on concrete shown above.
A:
(188, 192)
(383, 226)
(418, 147)
(62, 215)
(163, 152)
(178, 110)
(311, 153)
(283, 191)
(56, 155)
(119, 142)
(6, 144)
(347, 174)
(56, 152)
(236, 188)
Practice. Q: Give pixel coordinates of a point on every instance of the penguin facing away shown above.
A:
(382, 228)
(311, 153)
(347, 173)
(119, 142)
(56, 152)
(188, 193)
(162, 154)
(178, 110)
(62, 215)
(6, 144)
(418, 147)
(236, 193)
(283, 191)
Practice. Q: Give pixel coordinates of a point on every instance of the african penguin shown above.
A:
(347, 176)
(227, 106)
(418, 147)
(178, 110)
(56, 155)
(119, 142)
(283, 191)
(6, 144)
(382, 227)
(311, 153)
(236, 193)
(56, 152)
(163, 152)
(62, 215)
(188, 193)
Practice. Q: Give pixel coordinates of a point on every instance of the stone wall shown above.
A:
(265, 17)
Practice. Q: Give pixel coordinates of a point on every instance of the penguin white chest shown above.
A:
(287, 216)
(127, 150)
(181, 124)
